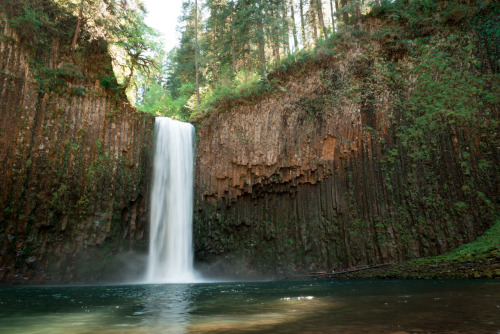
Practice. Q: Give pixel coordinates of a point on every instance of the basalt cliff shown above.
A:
(381, 145)
(75, 163)
(379, 149)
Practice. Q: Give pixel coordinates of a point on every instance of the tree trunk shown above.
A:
(215, 51)
(249, 56)
(277, 44)
(319, 9)
(333, 17)
(275, 35)
(294, 27)
(345, 14)
(78, 27)
(358, 13)
(287, 28)
(196, 55)
(313, 18)
(302, 23)
(233, 54)
(261, 38)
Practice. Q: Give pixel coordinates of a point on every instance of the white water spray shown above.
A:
(170, 249)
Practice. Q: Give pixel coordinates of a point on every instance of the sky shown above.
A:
(163, 16)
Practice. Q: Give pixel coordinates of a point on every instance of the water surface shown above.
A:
(267, 307)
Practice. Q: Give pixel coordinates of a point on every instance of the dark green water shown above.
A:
(267, 307)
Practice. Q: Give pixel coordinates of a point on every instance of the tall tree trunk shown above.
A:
(345, 14)
(294, 27)
(332, 16)
(302, 23)
(233, 53)
(215, 50)
(313, 18)
(249, 64)
(277, 44)
(319, 9)
(287, 28)
(78, 26)
(358, 13)
(261, 38)
(196, 55)
(337, 18)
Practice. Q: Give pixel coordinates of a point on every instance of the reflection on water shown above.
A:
(278, 307)
(167, 309)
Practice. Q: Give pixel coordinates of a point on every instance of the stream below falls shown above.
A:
(267, 307)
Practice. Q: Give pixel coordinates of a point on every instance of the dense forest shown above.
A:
(229, 49)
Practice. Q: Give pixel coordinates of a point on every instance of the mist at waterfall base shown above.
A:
(425, 306)
(170, 250)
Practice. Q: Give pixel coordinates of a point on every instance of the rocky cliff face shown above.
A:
(376, 153)
(75, 165)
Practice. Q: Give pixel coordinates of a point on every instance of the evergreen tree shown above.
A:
(231, 49)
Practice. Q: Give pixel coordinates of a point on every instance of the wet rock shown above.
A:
(66, 164)
(334, 176)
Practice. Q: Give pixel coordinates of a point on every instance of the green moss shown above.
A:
(487, 245)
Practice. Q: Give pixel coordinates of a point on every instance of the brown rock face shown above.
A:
(327, 174)
(75, 165)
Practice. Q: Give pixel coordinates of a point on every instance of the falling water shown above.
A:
(170, 250)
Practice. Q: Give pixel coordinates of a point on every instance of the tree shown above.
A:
(294, 27)
(238, 41)
(319, 10)
(332, 16)
(196, 55)
(260, 35)
(345, 15)
(302, 23)
(312, 13)
(78, 26)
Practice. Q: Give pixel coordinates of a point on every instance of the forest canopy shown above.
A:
(229, 50)
(240, 42)
(117, 26)
(237, 45)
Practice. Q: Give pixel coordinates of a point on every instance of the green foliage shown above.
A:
(140, 44)
(33, 23)
(446, 91)
(56, 79)
(132, 44)
(245, 86)
(246, 83)
(110, 83)
(236, 42)
(486, 245)
(423, 17)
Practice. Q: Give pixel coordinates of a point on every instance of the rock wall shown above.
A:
(338, 168)
(75, 166)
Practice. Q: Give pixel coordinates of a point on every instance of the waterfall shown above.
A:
(170, 249)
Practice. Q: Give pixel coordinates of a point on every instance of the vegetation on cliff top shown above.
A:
(246, 47)
(116, 28)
